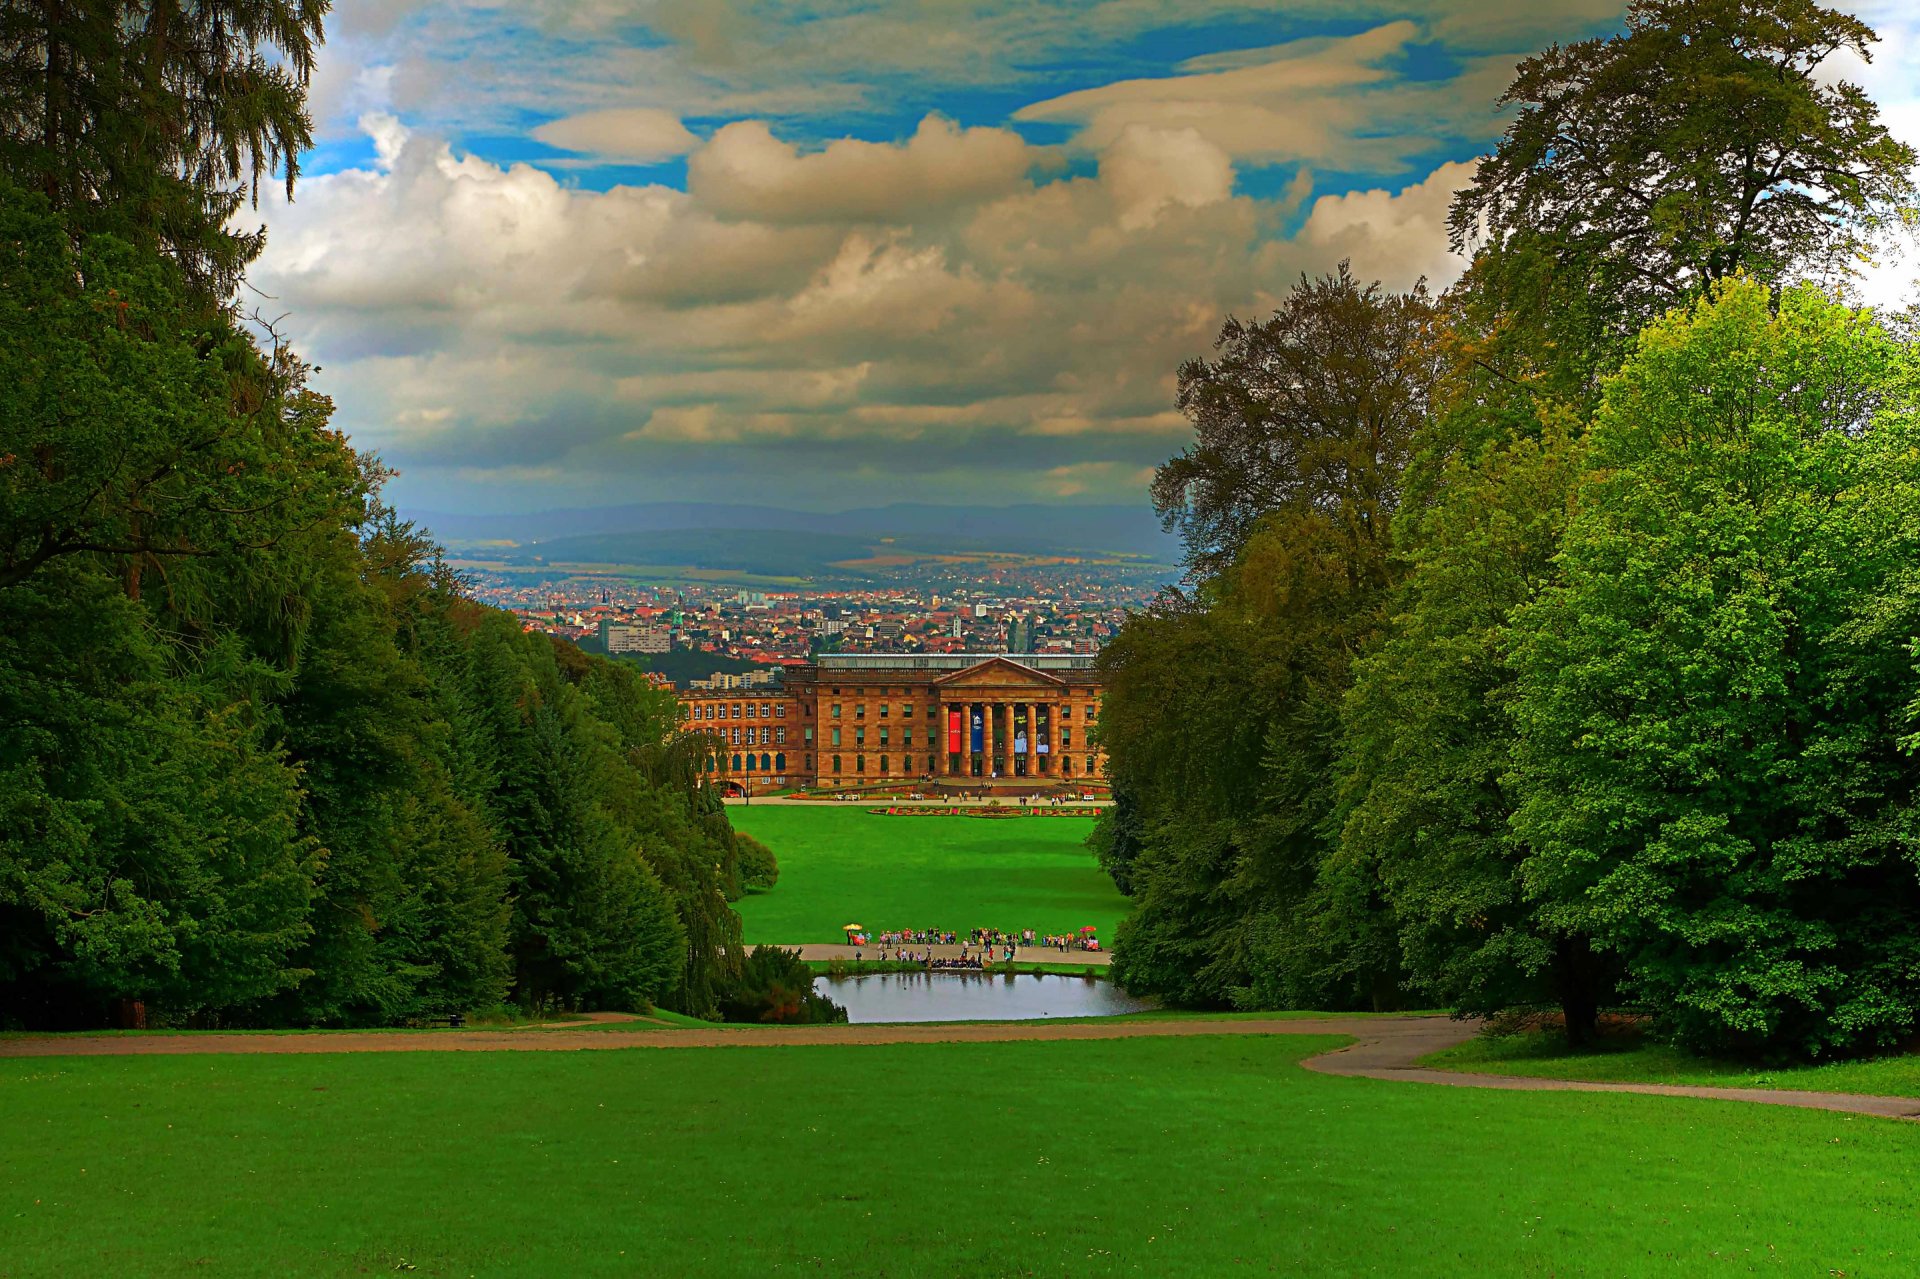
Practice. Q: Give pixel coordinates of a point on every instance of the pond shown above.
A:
(951, 996)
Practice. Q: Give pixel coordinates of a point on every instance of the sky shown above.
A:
(576, 253)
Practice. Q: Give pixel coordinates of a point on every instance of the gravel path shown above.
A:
(1384, 1048)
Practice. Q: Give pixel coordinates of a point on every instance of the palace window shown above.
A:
(883, 709)
(836, 708)
(753, 736)
(780, 735)
(906, 738)
(736, 763)
(780, 711)
(751, 712)
(836, 763)
(860, 710)
(736, 710)
(883, 737)
(836, 737)
(883, 763)
(736, 735)
(906, 710)
(1066, 735)
(808, 731)
(859, 736)
(1089, 763)
(810, 764)
(859, 763)
(1066, 712)
(930, 764)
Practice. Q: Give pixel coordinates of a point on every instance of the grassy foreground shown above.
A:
(1194, 1156)
(1633, 1060)
(846, 865)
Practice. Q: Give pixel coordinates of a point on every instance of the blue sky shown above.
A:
(582, 252)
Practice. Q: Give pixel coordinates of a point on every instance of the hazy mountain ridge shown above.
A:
(1029, 528)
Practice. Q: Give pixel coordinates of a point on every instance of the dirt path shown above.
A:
(1384, 1048)
(1392, 1057)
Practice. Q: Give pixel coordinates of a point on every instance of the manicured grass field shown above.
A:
(1142, 1157)
(846, 865)
(1632, 1060)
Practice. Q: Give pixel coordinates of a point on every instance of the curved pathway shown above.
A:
(1384, 1048)
(1392, 1056)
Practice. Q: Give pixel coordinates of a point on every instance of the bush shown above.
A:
(758, 868)
(776, 986)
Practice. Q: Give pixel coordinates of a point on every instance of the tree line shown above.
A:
(1550, 643)
(263, 762)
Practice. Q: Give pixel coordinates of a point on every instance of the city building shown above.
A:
(941, 720)
(621, 638)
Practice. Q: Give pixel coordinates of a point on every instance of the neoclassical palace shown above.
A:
(953, 719)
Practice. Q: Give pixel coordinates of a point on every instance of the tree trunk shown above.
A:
(1577, 976)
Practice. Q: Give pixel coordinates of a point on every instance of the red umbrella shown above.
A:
(1089, 929)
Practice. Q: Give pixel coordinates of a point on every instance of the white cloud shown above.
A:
(955, 313)
(639, 135)
(1329, 102)
(924, 307)
(1149, 169)
(746, 172)
(1395, 237)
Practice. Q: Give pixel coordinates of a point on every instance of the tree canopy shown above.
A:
(1547, 645)
(265, 762)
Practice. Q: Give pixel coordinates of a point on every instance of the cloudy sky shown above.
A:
(560, 253)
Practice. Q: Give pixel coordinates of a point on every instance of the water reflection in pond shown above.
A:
(975, 997)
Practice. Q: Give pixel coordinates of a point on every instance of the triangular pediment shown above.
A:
(999, 672)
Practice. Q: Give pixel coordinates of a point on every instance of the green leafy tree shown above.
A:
(1711, 770)
(131, 430)
(1643, 167)
(1312, 407)
(156, 121)
(1425, 805)
(150, 847)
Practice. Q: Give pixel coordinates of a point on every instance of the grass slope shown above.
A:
(1632, 1060)
(1198, 1156)
(846, 865)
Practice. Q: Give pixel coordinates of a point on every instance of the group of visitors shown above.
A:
(985, 940)
(913, 937)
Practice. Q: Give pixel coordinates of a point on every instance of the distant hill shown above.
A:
(1026, 529)
(772, 552)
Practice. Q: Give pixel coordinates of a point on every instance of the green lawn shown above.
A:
(1141, 1157)
(846, 865)
(1632, 1060)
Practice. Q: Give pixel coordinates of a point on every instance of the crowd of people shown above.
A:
(974, 945)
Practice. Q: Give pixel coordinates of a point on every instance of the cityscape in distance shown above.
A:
(707, 596)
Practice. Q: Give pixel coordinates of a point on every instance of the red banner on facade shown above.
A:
(956, 729)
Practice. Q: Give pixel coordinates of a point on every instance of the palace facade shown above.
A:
(973, 721)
